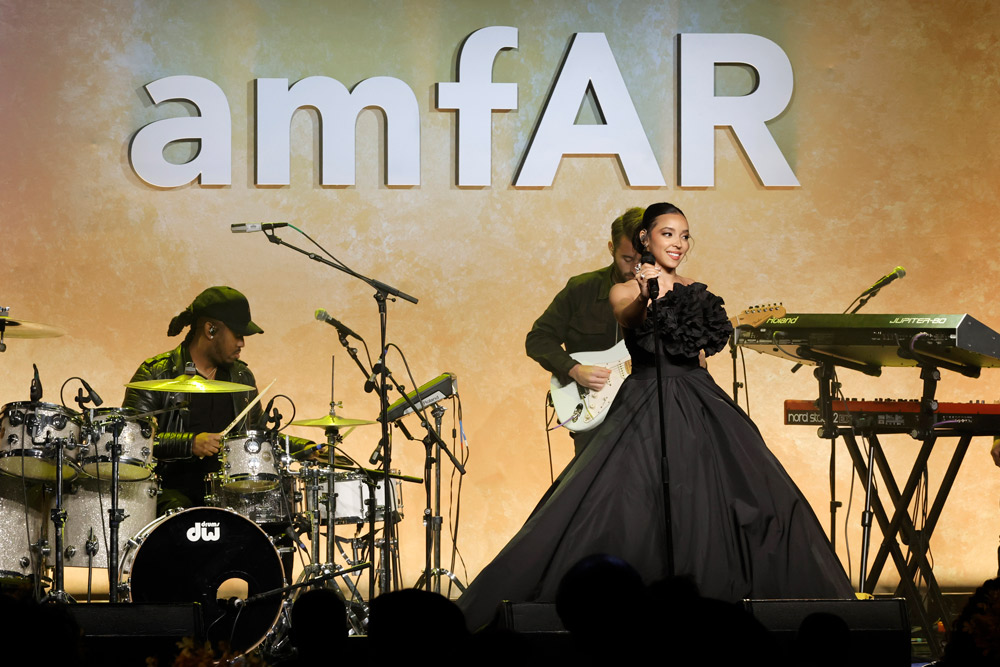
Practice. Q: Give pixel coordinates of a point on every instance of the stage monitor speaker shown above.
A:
(878, 630)
(128, 633)
(529, 617)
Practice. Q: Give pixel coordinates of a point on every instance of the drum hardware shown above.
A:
(58, 515)
(116, 515)
(276, 642)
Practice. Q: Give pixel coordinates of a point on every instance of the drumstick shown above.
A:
(252, 403)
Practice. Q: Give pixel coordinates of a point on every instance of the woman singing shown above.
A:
(740, 526)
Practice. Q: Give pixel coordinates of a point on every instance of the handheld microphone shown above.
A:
(324, 316)
(247, 227)
(652, 285)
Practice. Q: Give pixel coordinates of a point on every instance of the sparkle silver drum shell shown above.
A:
(188, 555)
(87, 503)
(248, 463)
(269, 509)
(135, 439)
(23, 517)
(352, 494)
(29, 435)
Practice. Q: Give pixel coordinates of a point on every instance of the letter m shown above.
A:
(338, 110)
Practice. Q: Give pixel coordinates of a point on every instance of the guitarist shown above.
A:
(579, 319)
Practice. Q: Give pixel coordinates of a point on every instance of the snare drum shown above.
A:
(87, 504)
(188, 555)
(29, 435)
(352, 492)
(135, 439)
(248, 463)
(22, 513)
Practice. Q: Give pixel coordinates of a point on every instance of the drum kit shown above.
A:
(78, 488)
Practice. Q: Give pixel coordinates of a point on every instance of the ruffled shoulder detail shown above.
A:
(690, 319)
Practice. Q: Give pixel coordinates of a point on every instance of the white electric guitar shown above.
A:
(581, 409)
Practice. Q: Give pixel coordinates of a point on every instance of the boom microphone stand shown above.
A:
(383, 292)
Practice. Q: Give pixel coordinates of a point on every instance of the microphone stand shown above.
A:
(664, 463)
(383, 292)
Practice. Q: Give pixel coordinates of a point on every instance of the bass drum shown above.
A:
(187, 556)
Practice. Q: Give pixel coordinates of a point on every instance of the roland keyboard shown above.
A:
(868, 342)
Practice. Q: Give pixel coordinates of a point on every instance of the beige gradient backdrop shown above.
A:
(892, 132)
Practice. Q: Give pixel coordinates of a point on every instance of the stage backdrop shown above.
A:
(117, 202)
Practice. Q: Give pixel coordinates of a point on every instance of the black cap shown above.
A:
(225, 304)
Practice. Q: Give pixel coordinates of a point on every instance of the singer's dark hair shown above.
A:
(652, 213)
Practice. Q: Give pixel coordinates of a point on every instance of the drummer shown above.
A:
(189, 439)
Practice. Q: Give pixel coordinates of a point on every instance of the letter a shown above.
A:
(212, 129)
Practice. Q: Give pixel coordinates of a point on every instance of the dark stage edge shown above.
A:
(879, 631)
(126, 634)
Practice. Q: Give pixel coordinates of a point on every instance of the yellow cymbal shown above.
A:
(190, 384)
(330, 420)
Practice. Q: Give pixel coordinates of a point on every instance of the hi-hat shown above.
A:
(12, 328)
(190, 384)
(331, 421)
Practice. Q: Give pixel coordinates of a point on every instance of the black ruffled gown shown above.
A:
(741, 528)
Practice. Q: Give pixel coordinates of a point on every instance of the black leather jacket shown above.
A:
(173, 441)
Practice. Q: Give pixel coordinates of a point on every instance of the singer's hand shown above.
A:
(644, 273)
(591, 377)
(206, 444)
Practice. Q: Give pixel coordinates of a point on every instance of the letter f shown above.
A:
(475, 97)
